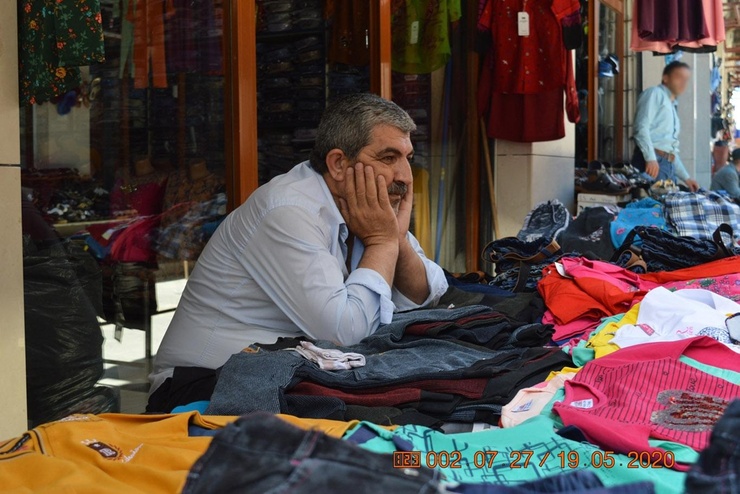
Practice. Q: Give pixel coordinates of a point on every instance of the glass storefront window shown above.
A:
(123, 181)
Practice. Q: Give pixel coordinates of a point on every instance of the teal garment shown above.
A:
(126, 10)
(536, 435)
(196, 406)
(726, 374)
(727, 179)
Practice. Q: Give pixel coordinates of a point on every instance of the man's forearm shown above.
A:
(411, 275)
(383, 259)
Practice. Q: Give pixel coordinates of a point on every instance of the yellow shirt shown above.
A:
(116, 453)
(600, 342)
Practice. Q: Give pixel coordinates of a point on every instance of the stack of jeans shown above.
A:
(461, 364)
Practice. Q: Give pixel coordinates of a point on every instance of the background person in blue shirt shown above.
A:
(728, 177)
(657, 127)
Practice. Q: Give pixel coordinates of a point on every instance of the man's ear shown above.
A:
(336, 163)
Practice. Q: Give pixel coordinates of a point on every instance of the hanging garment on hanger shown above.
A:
(349, 21)
(148, 17)
(192, 38)
(121, 10)
(421, 34)
(715, 23)
(524, 79)
(55, 38)
(678, 20)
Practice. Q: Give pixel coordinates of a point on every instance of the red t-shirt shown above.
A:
(621, 400)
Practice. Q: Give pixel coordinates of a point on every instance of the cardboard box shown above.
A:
(596, 200)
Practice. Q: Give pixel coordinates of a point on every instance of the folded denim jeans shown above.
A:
(257, 381)
(261, 453)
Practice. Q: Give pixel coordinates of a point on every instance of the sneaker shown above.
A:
(546, 220)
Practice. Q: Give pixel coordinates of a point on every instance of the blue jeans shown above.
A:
(257, 381)
(261, 453)
(667, 170)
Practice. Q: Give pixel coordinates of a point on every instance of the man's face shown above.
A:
(678, 80)
(390, 153)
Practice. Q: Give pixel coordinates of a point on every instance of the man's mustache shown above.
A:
(398, 189)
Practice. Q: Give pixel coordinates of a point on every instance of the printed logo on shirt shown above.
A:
(646, 329)
(583, 403)
(594, 236)
(524, 407)
(687, 411)
(105, 450)
(110, 452)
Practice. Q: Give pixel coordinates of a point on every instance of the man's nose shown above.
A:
(403, 172)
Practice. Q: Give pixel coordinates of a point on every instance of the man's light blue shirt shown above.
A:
(657, 126)
(276, 267)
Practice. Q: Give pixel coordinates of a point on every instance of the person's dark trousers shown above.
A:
(262, 454)
(718, 468)
(187, 384)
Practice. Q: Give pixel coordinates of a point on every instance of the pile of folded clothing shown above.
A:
(602, 356)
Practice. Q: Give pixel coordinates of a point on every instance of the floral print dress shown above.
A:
(56, 37)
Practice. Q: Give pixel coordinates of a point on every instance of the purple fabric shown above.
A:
(672, 20)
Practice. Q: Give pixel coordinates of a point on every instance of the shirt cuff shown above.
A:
(375, 283)
(437, 287)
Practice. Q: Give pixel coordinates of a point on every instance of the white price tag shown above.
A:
(523, 23)
(414, 35)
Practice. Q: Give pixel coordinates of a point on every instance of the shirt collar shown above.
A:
(332, 208)
(668, 93)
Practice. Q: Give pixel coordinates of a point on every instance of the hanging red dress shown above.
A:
(523, 78)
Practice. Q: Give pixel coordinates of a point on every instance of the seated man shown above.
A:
(322, 251)
(728, 178)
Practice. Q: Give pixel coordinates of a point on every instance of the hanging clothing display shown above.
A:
(350, 21)
(696, 26)
(193, 42)
(660, 20)
(148, 17)
(421, 34)
(55, 38)
(527, 69)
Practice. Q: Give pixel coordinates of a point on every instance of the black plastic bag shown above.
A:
(64, 353)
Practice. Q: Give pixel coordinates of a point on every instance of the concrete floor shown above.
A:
(125, 362)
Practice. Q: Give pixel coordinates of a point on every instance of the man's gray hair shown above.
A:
(347, 124)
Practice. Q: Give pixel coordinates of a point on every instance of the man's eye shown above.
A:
(388, 159)
(411, 159)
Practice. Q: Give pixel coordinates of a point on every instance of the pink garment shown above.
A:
(574, 328)
(714, 17)
(627, 281)
(727, 286)
(529, 402)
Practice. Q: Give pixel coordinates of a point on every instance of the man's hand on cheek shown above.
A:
(366, 207)
(404, 212)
